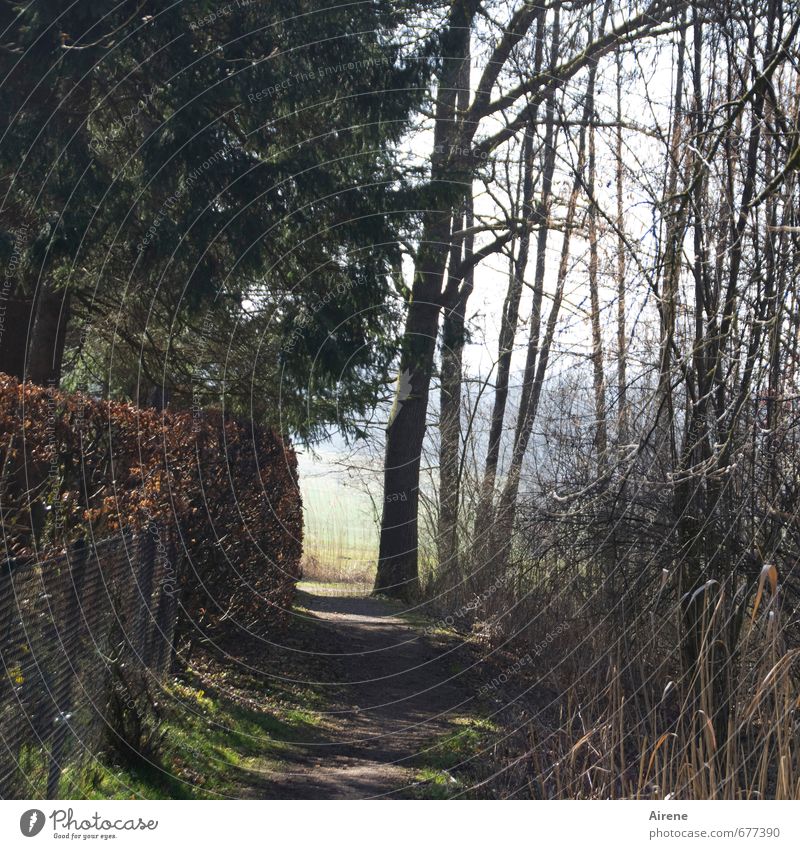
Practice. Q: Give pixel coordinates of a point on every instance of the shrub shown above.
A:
(74, 467)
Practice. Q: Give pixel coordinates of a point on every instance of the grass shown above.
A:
(350, 576)
(340, 539)
(333, 587)
(447, 765)
(216, 734)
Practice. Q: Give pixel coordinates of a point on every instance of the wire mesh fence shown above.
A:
(82, 636)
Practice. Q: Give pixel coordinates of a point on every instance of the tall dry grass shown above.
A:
(644, 722)
(341, 575)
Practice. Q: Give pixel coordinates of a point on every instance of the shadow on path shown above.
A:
(393, 691)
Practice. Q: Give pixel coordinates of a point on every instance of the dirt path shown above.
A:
(393, 691)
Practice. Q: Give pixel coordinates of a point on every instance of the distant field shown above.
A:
(341, 534)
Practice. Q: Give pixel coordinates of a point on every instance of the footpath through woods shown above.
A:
(356, 699)
(401, 718)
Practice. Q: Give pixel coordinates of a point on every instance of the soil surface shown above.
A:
(393, 690)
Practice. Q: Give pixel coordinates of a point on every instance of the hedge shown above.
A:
(74, 467)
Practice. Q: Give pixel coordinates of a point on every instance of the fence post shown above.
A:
(154, 635)
(144, 582)
(76, 561)
(167, 608)
(10, 736)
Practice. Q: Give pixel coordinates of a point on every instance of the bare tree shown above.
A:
(455, 155)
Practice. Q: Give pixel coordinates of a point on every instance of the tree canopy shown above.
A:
(202, 201)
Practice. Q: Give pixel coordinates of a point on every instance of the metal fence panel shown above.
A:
(67, 627)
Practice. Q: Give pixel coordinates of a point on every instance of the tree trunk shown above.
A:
(398, 572)
(397, 564)
(450, 379)
(48, 335)
(668, 295)
(450, 410)
(622, 344)
(15, 321)
(599, 383)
